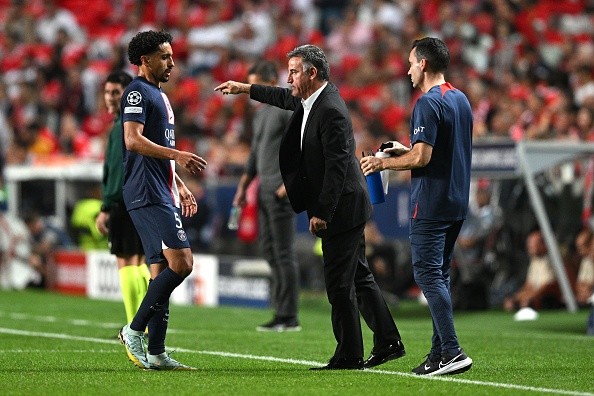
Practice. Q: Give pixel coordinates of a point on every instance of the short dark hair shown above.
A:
(265, 69)
(119, 77)
(435, 52)
(145, 43)
(312, 56)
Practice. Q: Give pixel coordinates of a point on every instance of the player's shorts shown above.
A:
(160, 227)
(123, 238)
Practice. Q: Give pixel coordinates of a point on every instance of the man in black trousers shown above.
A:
(322, 176)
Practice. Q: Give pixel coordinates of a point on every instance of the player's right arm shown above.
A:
(135, 141)
(418, 157)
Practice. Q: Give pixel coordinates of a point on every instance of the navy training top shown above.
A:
(149, 180)
(440, 190)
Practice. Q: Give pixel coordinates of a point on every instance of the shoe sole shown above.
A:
(131, 356)
(325, 368)
(187, 368)
(454, 368)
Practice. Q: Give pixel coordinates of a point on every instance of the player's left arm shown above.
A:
(189, 206)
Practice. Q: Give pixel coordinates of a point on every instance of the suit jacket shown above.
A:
(324, 178)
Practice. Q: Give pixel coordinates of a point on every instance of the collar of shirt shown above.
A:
(308, 103)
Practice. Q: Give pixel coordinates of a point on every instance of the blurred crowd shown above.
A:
(527, 67)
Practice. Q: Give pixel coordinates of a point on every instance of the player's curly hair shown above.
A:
(145, 43)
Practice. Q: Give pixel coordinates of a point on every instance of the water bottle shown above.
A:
(233, 223)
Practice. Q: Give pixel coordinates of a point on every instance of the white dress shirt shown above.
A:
(307, 105)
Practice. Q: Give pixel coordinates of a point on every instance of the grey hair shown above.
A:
(312, 56)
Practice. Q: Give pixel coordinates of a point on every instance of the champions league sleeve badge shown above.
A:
(133, 100)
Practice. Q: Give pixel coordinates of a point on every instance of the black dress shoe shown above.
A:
(342, 364)
(391, 352)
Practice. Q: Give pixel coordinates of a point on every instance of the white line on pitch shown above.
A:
(304, 362)
(2, 351)
(74, 322)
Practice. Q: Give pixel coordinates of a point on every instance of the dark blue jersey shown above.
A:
(442, 118)
(149, 180)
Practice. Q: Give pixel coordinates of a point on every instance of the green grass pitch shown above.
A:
(53, 344)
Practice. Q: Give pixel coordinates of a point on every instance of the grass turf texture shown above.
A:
(59, 345)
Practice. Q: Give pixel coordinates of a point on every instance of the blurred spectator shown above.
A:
(331, 12)
(54, 19)
(507, 56)
(473, 256)
(207, 38)
(45, 239)
(526, 66)
(540, 289)
(18, 269)
(254, 31)
(43, 141)
(6, 134)
(585, 124)
(565, 190)
(583, 86)
(351, 36)
(19, 22)
(584, 287)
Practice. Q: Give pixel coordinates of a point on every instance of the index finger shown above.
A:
(221, 87)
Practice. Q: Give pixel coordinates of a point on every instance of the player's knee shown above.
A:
(186, 267)
(183, 266)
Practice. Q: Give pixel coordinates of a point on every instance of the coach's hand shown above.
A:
(316, 224)
(233, 87)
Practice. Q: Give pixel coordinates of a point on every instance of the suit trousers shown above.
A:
(351, 289)
(276, 220)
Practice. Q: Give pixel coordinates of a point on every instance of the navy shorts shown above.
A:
(160, 227)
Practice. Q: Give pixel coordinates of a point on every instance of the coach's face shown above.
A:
(160, 63)
(301, 81)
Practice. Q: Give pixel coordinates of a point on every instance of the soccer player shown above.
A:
(155, 196)
(439, 160)
(114, 220)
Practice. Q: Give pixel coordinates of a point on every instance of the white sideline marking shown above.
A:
(73, 322)
(58, 351)
(300, 362)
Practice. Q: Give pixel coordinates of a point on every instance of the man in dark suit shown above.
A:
(322, 176)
